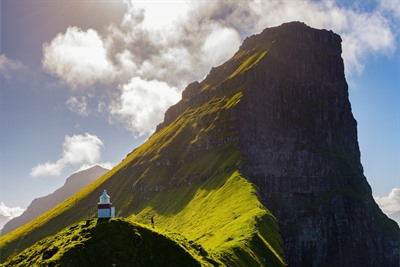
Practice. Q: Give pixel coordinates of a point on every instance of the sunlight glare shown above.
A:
(161, 14)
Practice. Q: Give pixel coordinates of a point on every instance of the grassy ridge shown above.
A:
(225, 216)
(104, 243)
(186, 175)
(55, 219)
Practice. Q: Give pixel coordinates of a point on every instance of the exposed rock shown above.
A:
(298, 140)
(278, 112)
(49, 253)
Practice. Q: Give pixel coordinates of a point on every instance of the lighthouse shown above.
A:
(105, 208)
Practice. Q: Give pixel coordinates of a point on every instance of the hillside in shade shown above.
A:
(3, 220)
(258, 164)
(38, 206)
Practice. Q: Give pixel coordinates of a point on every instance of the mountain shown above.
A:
(298, 143)
(258, 165)
(38, 206)
(395, 216)
(3, 221)
(302, 153)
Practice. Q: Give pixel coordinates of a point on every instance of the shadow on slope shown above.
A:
(228, 221)
(186, 174)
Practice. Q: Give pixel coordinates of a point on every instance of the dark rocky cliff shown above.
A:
(298, 140)
(277, 114)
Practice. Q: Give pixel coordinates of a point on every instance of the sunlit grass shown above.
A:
(222, 215)
(205, 201)
(104, 243)
(249, 63)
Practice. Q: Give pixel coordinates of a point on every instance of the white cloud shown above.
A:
(368, 34)
(220, 45)
(126, 63)
(77, 106)
(105, 165)
(178, 42)
(391, 6)
(77, 149)
(8, 65)
(158, 15)
(10, 212)
(390, 203)
(82, 148)
(362, 33)
(205, 34)
(142, 103)
(78, 57)
(48, 169)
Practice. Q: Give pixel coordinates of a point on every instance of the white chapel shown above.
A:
(105, 208)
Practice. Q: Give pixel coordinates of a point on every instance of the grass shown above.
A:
(249, 62)
(58, 217)
(199, 199)
(221, 216)
(104, 243)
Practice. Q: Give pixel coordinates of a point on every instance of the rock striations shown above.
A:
(269, 131)
(298, 141)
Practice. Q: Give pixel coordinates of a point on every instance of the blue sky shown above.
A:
(84, 82)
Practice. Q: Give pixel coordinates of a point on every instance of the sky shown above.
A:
(85, 82)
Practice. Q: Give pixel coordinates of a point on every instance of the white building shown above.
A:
(105, 208)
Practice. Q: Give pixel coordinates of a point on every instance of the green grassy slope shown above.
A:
(186, 176)
(225, 217)
(104, 243)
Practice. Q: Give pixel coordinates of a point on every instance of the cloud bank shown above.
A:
(77, 150)
(390, 203)
(142, 103)
(77, 57)
(10, 212)
(172, 44)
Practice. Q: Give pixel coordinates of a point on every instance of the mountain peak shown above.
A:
(298, 143)
(267, 46)
(257, 162)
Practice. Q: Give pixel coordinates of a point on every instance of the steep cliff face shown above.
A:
(298, 141)
(276, 114)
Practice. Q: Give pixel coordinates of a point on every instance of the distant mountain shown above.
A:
(257, 165)
(3, 221)
(38, 206)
